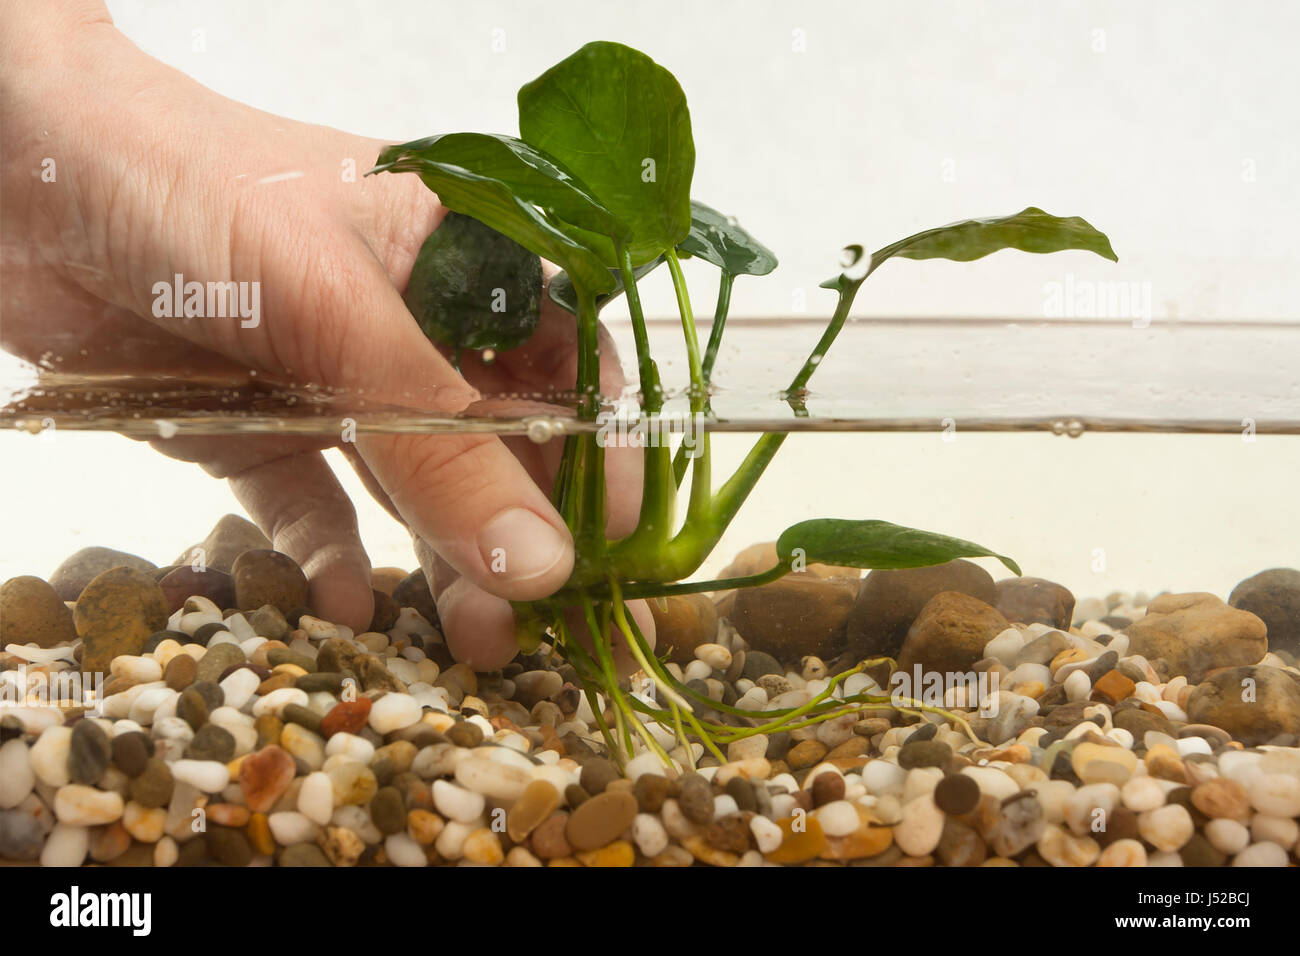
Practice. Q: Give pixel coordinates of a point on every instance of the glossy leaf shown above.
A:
(473, 288)
(619, 122)
(531, 175)
(719, 240)
(493, 202)
(876, 545)
(563, 294)
(1030, 230)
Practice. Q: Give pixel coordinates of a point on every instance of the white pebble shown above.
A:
(289, 827)
(714, 656)
(396, 711)
(66, 845)
(16, 775)
(166, 852)
(457, 803)
(1227, 836)
(82, 806)
(838, 818)
(239, 687)
(499, 781)
(49, 756)
(316, 798)
(649, 834)
(1193, 745)
(276, 701)
(209, 776)
(1078, 687)
(1275, 794)
(1006, 646)
(767, 835)
(1142, 793)
(401, 850)
(918, 832)
(1280, 830)
(1166, 828)
(1261, 854)
(138, 670)
(350, 745)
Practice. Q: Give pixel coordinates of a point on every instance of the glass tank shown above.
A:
(563, 485)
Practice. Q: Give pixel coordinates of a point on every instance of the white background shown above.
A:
(1171, 126)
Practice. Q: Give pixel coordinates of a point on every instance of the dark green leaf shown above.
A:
(494, 203)
(721, 241)
(619, 122)
(875, 544)
(1030, 230)
(474, 288)
(531, 175)
(563, 294)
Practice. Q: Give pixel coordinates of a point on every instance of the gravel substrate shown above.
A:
(259, 737)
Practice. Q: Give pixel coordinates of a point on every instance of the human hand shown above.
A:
(157, 176)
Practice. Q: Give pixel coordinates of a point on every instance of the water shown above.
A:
(1181, 476)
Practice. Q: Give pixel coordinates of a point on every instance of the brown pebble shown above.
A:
(597, 773)
(651, 790)
(535, 804)
(548, 839)
(805, 754)
(180, 672)
(601, 820)
(827, 788)
(956, 794)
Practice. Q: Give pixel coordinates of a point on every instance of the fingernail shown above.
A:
(518, 545)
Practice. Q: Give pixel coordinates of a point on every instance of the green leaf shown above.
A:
(721, 241)
(563, 294)
(473, 288)
(619, 121)
(493, 202)
(531, 175)
(1030, 230)
(876, 545)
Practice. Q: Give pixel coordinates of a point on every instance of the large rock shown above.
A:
(268, 577)
(797, 615)
(889, 601)
(115, 615)
(71, 577)
(31, 612)
(949, 634)
(683, 623)
(761, 557)
(1035, 601)
(230, 537)
(1273, 596)
(1196, 632)
(1254, 704)
(413, 591)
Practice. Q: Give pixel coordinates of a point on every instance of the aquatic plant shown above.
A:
(598, 182)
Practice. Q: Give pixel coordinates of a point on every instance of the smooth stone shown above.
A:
(264, 776)
(76, 572)
(889, 602)
(89, 752)
(1166, 828)
(32, 612)
(17, 779)
(393, 712)
(1274, 597)
(796, 616)
(79, 805)
(1196, 633)
(263, 576)
(1271, 707)
(115, 614)
(600, 820)
(1034, 601)
(920, 828)
(949, 634)
(183, 583)
(216, 660)
(230, 537)
(21, 836)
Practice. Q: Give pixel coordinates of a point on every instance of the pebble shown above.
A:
(918, 831)
(456, 802)
(538, 801)
(601, 820)
(393, 712)
(264, 776)
(207, 776)
(79, 805)
(1166, 828)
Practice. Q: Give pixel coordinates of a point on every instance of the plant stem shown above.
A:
(719, 322)
(651, 391)
(699, 394)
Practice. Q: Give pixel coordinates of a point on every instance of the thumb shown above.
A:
(474, 503)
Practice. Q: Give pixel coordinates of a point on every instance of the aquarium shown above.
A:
(561, 526)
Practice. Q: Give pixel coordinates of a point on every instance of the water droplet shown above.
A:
(854, 262)
(540, 430)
